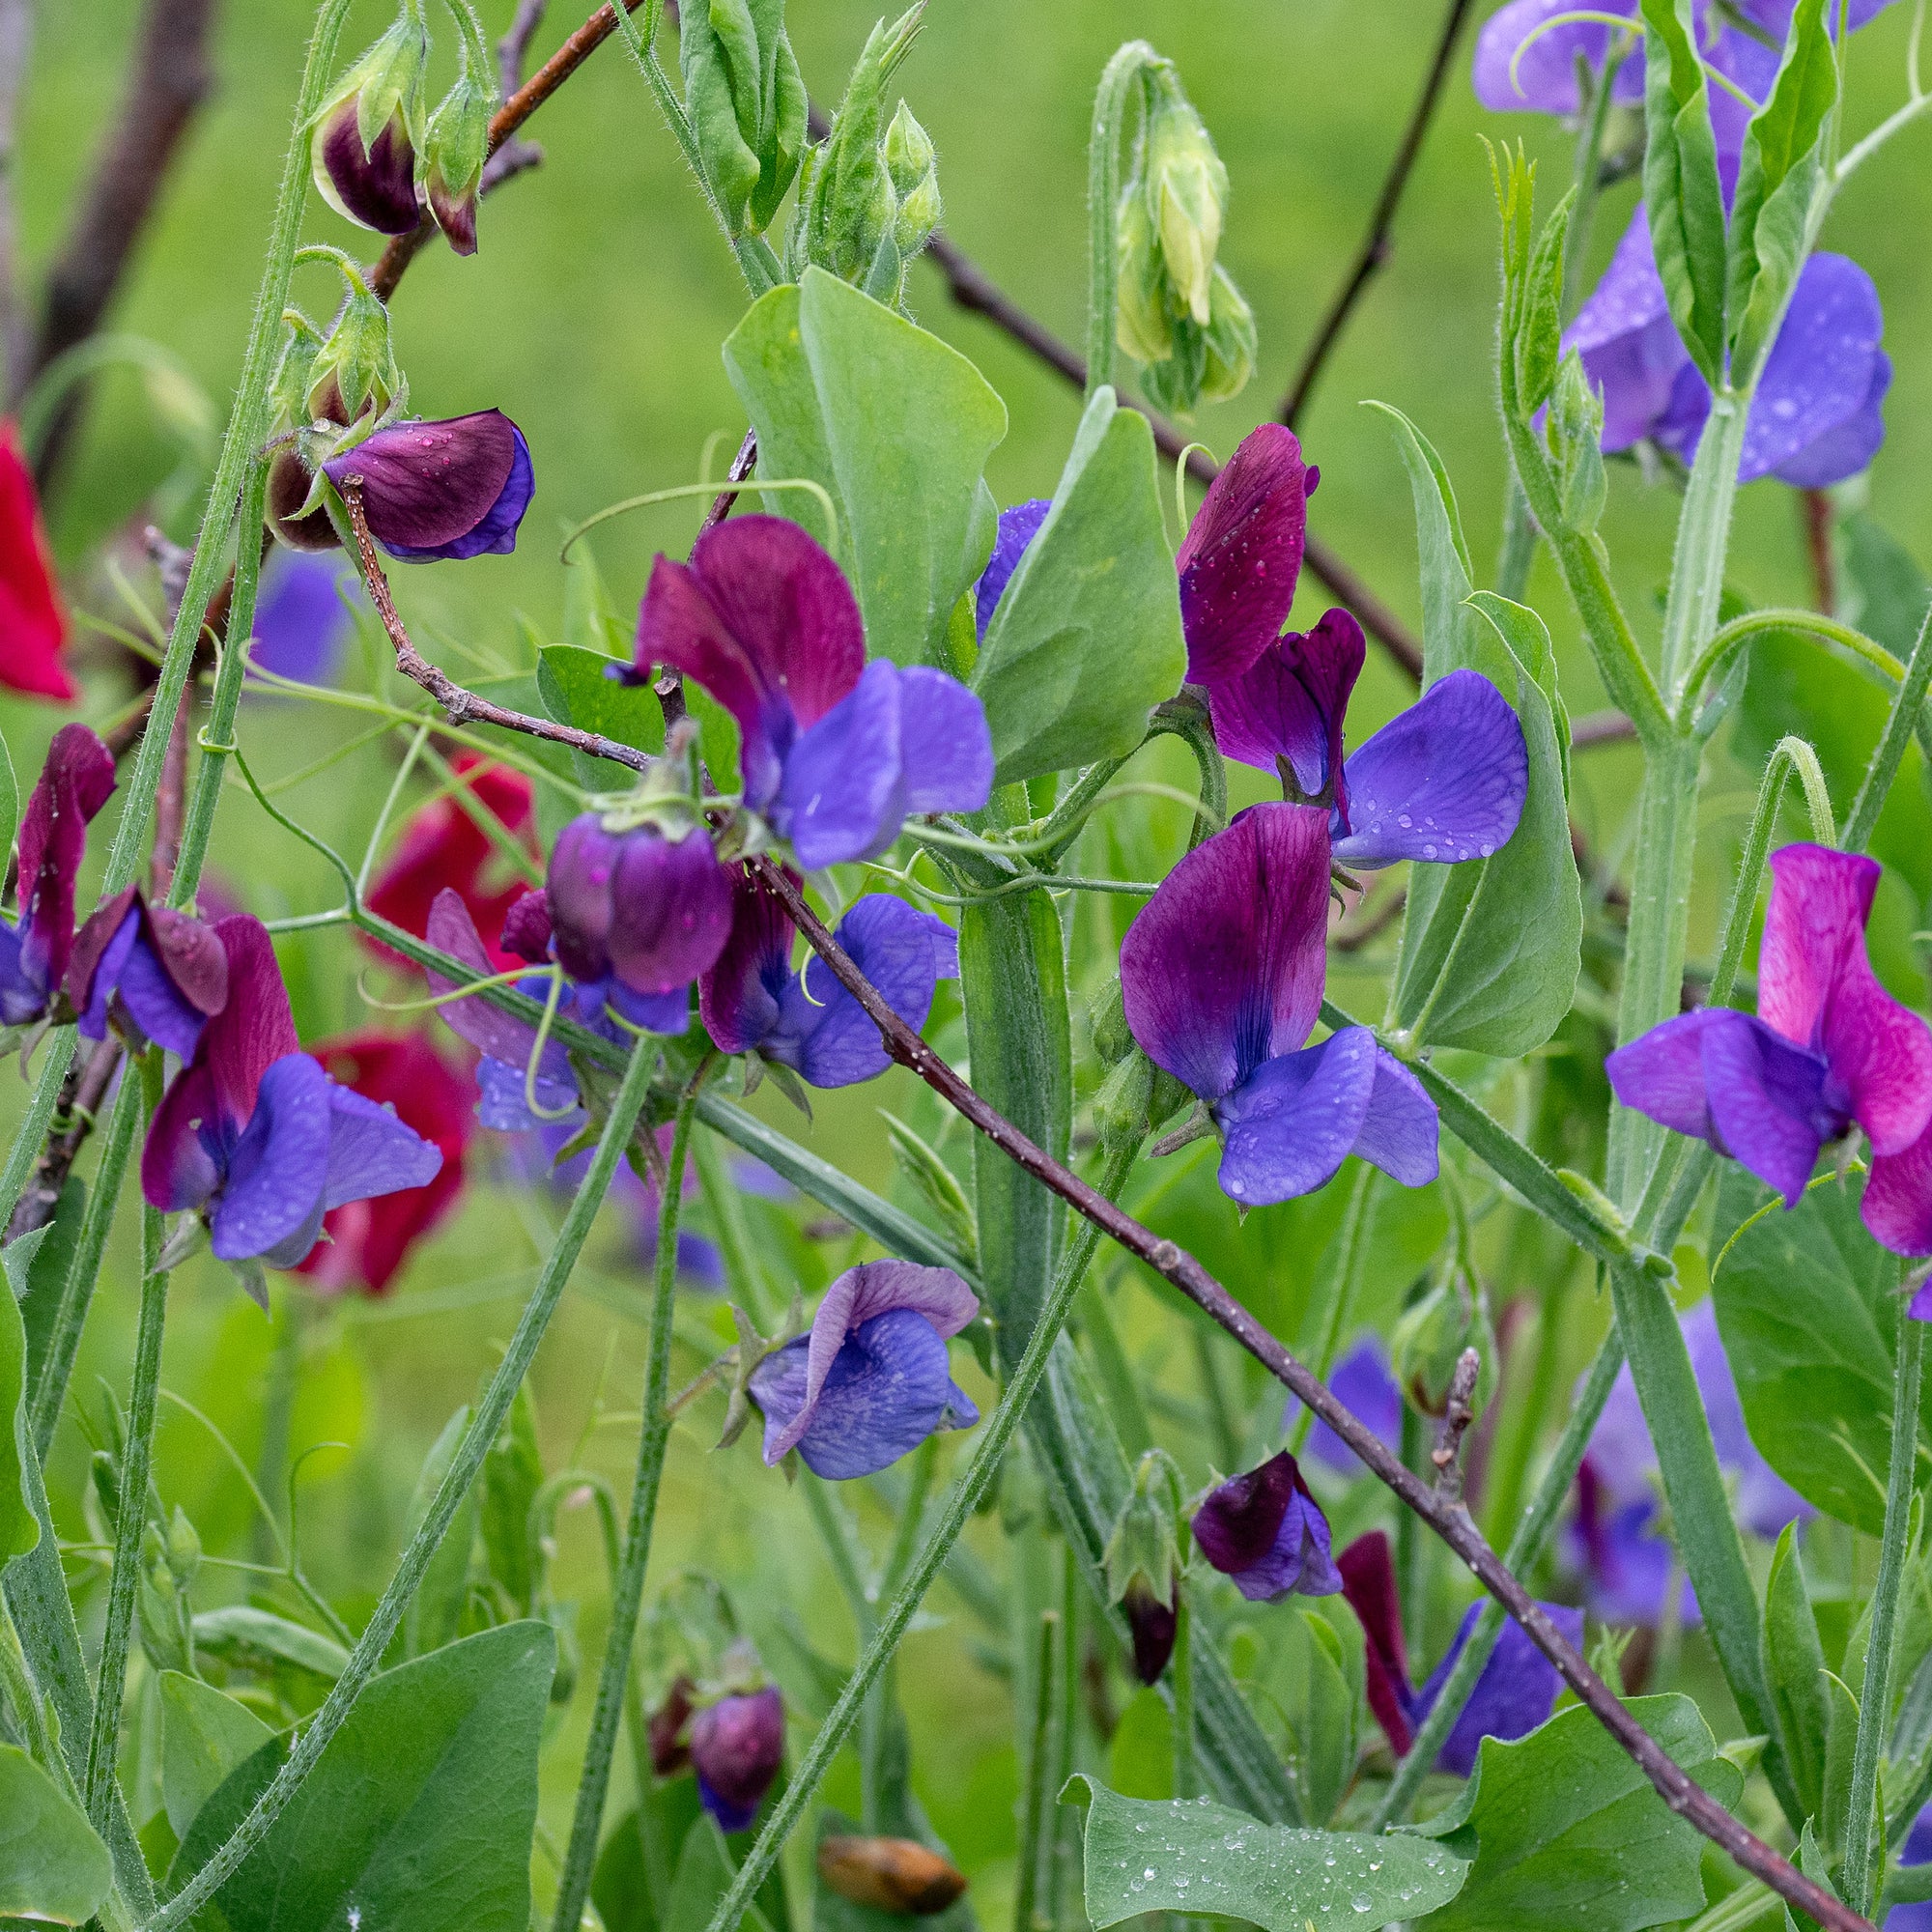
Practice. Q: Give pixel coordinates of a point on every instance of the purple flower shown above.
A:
(1267, 1531)
(76, 782)
(302, 620)
(1626, 1561)
(737, 1746)
(871, 1383)
(375, 187)
(636, 916)
(1018, 527)
(1828, 1050)
(161, 972)
(1443, 782)
(257, 1137)
(835, 751)
(457, 487)
(1363, 1385)
(1513, 1696)
(751, 1001)
(1221, 974)
(1815, 417)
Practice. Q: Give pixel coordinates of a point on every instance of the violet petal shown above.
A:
(946, 746)
(1819, 373)
(738, 996)
(372, 1152)
(1291, 702)
(255, 1029)
(302, 621)
(1399, 1133)
(1897, 1202)
(737, 1746)
(1513, 1694)
(841, 797)
(671, 911)
(1265, 1531)
(178, 1164)
(374, 187)
(1367, 1570)
(427, 487)
(1295, 1119)
(279, 1166)
(1018, 527)
(76, 782)
(1545, 80)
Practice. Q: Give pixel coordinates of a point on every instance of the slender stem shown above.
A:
(1062, 1828)
(724, 1204)
(912, 1515)
(1703, 539)
(628, 1589)
(1862, 1823)
(1740, 630)
(1350, 1244)
(1103, 195)
(366, 1658)
(1026, 1890)
(1891, 747)
(1411, 1552)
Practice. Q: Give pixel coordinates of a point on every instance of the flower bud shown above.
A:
(1153, 1624)
(1430, 1339)
(746, 105)
(1187, 189)
(1141, 324)
(354, 370)
(295, 373)
(1142, 1560)
(907, 152)
(364, 151)
(458, 145)
(1231, 341)
(737, 1746)
(1575, 437)
(897, 1875)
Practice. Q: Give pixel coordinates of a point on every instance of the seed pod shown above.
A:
(889, 1874)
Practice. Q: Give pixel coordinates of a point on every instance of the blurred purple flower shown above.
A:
(835, 751)
(1916, 1851)
(1361, 1382)
(737, 1746)
(1828, 1050)
(1018, 527)
(752, 1000)
(1266, 1530)
(871, 1382)
(1614, 1538)
(452, 489)
(303, 619)
(1222, 973)
(159, 971)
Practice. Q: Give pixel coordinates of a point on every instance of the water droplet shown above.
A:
(1405, 822)
(1429, 851)
(1149, 1873)
(1362, 1902)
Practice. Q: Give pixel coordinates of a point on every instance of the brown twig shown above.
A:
(82, 1095)
(1457, 1412)
(1378, 242)
(17, 36)
(1816, 506)
(169, 80)
(1347, 938)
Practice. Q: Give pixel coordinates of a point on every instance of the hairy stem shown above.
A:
(1103, 194)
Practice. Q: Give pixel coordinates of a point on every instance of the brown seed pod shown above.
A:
(891, 1874)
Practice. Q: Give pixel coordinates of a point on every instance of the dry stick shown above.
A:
(1815, 508)
(16, 36)
(1378, 242)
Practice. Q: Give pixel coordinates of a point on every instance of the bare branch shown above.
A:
(1459, 1412)
(16, 39)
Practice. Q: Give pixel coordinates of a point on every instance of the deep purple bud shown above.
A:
(1153, 1624)
(451, 489)
(162, 973)
(373, 187)
(670, 1749)
(737, 1746)
(527, 927)
(1267, 1531)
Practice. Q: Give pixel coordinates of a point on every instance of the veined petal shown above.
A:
(490, 1030)
(372, 1152)
(495, 532)
(1267, 1533)
(76, 782)
(946, 746)
(279, 1167)
(1018, 527)
(1820, 372)
(1223, 968)
(373, 187)
(738, 997)
(1291, 703)
(428, 486)
(843, 794)
(255, 1029)
(303, 619)
(1442, 783)
(1401, 1131)
(1897, 1202)
(1295, 1119)
(1362, 1383)
(1543, 81)
(1513, 1696)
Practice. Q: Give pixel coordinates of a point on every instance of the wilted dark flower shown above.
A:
(451, 489)
(157, 971)
(737, 1746)
(1267, 1531)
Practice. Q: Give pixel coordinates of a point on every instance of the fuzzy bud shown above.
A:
(354, 370)
(1430, 1339)
(1187, 189)
(1231, 343)
(737, 1746)
(1142, 1561)
(364, 151)
(747, 104)
(1575, 437)
(456, 147)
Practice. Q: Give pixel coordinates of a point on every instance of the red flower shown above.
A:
(370, 1239)
(33, 628)
(444, 846)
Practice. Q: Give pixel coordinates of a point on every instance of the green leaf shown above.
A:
(48, 1270)
(634, 1868)
(435, 1615)
(1804, 1308)
(705, 1870)
(1196, 1857)
(575, 690)
(1888, 590)
(1778, 178)
(205, 1735)
(591, 619)
(896, 426)
(935, 1183)
(420, 1813)
(1794, 1672)
(52, 1866)
(1840, 1742)
(1681, 191)
(513, 1472)
(1319, 1696)
(246, 1639)
(1564, 1829)
(19, 1530)
(1491, 948)
(1087, 639)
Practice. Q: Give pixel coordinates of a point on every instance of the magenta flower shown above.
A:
(836, 752)
(452, 489)
(1828, 1049)
(1267, 1531)
(76, 782)
(1513, 1694)
(737, 1746)
(256, 1137)
(160, 973)
(1222, 971)
(375, 187)
(871, 1382)
(751, 1001)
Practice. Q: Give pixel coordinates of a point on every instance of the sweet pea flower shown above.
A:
(1815, 417)
(751, 1001)
(1362, 1383)
(834, 753)
(256, 1139)
(1616, 1536)
(871, 1382)
(451, 489)
(33, 627)
(302, 621)
(1916, 1851)
(1018, 527)
(1513, 1694)
(1267, 1531)
(1828, 1050)
(1221, 974)
(367, 1241)
(75, 783)
(737, 1746)
(160, 973)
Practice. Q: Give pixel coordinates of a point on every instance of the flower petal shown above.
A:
(1897, 1202)
(371, 1151)
(946, 746)
(738, 996)
(373, 187)
(33, 627)
(1018, 527)
(1442, 783)
(737, 1746)
(1630, 346)
(279, 1167)
(255, 1029)
(428, 485)
(1291, 702)
(843, 794)
(76, 782)
(304, 620)
(671, 911)
(1295, 1119)
(178, 1170)
(1368, 1581)
(1514, 1694)
(1223, 968)
(1821, 369)
(495, 533)
(1400, 1133)
(1265, 1531)
(1362, 1383)
(1544, 78)
(487, 1028)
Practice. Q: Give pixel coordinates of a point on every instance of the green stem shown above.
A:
(1103, 194)
(912, 1514)
(136, 1466)
(1412, 1546)
(1026, 1892)
(1357, 1220)
(1890, 749)
(1875, 1694)
(627, 1592)
(1059, 1826)
(1691, 612)
(1518, 550)
(366, 1658)
(724, 1205)
(1186, 1772)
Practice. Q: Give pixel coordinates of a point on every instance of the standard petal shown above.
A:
(487, 1028)
(1295, 1119)
(279, 1167)
(1289, 703)
(255, 1029)
(946, 746)
(504, 1105)
(1362, 1383)
(1847, 449)
(1242, 555)
(1543, 81)
(1630, 346)
(1265, 1531)
(671, 911)
(1513, 1694)
(1897, 1202)
(428, 485)
(738, 997)
(155, 1003)
(737, 1746)
(495, 533)
(1820, 372)
(1018, 527)
(76, 782)
(1223, 968)
(580, 888)
(99, 958)
(33, 626)
(843, 794)
(1442, 783)
(1766, 1503)
(372, 1152)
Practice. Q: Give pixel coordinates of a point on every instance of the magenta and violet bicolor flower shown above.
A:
(1266, 1530)
(256, 1137)
(737, 1746)
(160, 973)
(1221, 974)
(1512, 1696)
(1828, 1050)
(76, 782)
(1616, 1536)
(452, 489)
(871, 1382)
(1363, 1383)
(834, 753)
(751, 1001)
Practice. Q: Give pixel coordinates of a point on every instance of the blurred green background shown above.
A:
(593, 315)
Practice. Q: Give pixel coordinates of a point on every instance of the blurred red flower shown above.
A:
(33, 629)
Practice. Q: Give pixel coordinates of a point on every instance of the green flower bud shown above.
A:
(908, 152)
(354, 370)
(458, 144)
(1124, 1105)
(1576, 439)
(1143, 1543)
(1141, 325)
(1186, 188)
(746, 99)
(295, 373)
(1430, 1339)
(1230, 341)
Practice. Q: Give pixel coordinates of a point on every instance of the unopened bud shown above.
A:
(364, 151)
(746, 101)
(1231, 341)
(455, 151)
(1141, 320)
(737, 1746)
(1186, 194)
(1575, 437)
(1430, 1339)
(1153, 1624)
(908, 152)
(354, 370)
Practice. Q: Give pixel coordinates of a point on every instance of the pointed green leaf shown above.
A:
(896, 426)
(1681, 191)
(52, 1867)
(1184, 1856)
(248, 1638)
(205, 1735)
(1794, 1672)
(705, 1870)
(20, 1532)
(1087, 639)
(575, 690)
